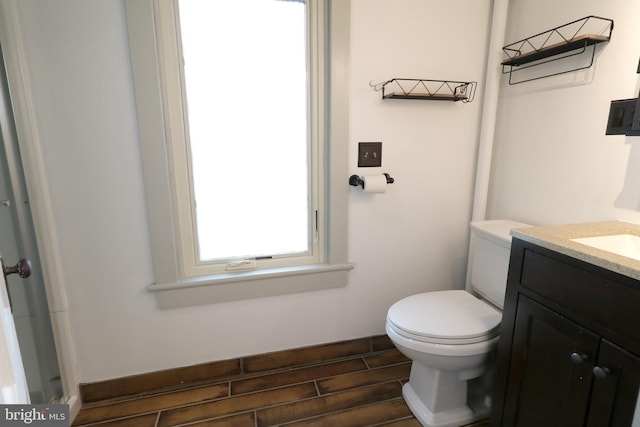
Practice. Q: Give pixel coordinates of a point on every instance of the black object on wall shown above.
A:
(624, 116)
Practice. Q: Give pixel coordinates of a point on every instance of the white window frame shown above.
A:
(177, 282)
(173, 88)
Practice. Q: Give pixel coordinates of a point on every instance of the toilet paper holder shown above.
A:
(355, 180)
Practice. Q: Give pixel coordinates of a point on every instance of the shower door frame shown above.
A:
(30, 146)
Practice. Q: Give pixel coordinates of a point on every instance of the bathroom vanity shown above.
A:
(569, 351)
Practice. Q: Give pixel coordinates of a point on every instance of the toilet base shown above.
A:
(477, 410)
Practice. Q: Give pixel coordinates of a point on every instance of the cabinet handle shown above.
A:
(601, 373)
(578, 358)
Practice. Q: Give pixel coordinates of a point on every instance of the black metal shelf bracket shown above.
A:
(426, 89)
(558, 43)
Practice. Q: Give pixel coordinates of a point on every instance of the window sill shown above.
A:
(251, 284)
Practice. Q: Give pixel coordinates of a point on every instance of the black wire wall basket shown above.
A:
(427, 89)
(558, 43)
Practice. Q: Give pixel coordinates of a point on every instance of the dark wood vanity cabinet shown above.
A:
(569, 346)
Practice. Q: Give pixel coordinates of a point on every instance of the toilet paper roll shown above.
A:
(375, 184)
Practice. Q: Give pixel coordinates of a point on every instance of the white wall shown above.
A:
(411, 239)
(552, 160)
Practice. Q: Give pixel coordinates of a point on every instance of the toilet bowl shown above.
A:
(451, 336)
(446, 353)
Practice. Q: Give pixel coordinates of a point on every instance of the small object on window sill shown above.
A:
(241, 264)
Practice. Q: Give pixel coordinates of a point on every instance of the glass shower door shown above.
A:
(17, 240)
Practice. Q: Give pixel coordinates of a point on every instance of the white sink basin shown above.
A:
(621, 244)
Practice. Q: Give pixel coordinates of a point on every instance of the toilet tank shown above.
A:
(489, 250)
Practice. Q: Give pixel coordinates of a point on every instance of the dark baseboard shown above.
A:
(169, 379)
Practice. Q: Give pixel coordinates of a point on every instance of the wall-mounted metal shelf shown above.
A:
(555, 44)
(426, 89)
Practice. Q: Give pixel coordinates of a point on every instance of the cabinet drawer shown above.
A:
(599, 302)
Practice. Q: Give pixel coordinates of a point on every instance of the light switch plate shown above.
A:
(369, 154)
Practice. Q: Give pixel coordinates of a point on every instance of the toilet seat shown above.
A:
(445, 317)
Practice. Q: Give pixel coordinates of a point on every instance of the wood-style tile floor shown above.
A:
(358, 390)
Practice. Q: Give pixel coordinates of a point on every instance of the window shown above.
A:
(243, 174)
(250, 192)
(251, 153)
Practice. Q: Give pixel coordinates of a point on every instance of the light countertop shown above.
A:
(558, 238)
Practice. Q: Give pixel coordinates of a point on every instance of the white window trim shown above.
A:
(172, 287)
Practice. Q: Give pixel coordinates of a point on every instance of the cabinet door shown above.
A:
(615, 388)
(550, 369)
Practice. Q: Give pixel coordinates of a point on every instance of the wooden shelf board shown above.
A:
(436, 97)
(556, 49)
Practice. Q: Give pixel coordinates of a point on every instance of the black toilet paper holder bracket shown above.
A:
(355, 180)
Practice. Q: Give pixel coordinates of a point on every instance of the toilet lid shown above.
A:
(448, 317)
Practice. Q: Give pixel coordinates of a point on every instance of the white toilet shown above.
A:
(451, 336)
